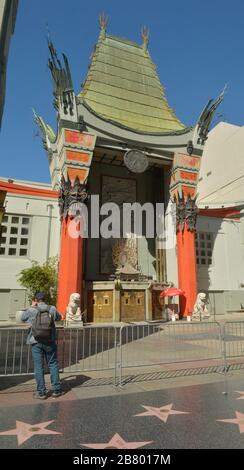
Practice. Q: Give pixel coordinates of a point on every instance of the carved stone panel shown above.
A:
(118, 191)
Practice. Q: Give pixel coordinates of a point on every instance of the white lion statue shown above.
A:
(73, 311)
(200, 308)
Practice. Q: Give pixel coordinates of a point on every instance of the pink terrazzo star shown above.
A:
(117, 442)
(25, 431)
(161, 412)
(242, 397)
(238, 420)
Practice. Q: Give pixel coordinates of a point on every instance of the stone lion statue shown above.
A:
(73, 311)
(200, 309)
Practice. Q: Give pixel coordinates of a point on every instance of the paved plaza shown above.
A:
(153, 410)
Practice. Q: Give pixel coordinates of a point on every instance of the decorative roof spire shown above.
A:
(145, 37)
(206, 117)
(103, 21)
(63, 86)
(47, 131)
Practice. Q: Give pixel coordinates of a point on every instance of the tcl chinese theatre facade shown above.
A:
(120, 140)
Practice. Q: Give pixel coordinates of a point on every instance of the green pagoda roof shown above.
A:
(122, 86)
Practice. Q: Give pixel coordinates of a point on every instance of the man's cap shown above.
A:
(40, 296)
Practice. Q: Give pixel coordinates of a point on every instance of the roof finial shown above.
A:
(48, 32)
(145, 37)
(103, 21)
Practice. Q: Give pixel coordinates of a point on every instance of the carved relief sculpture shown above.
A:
(124, 253)
(186, 212)
(118, 191)
(71, 197)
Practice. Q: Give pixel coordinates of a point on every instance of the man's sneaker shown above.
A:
(57, 394)
(38, 396)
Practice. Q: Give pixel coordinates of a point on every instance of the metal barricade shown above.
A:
(233, 334)
(155, 344)
(15, 354)
(98, 348)
(91, 348)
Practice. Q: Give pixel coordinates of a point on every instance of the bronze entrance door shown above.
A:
(132, 305)
(100, 306)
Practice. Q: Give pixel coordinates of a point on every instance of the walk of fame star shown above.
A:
(25, 431)
(117, 442)
(162, 412)
(239, 420)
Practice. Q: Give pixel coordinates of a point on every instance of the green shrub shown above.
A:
(41, 278)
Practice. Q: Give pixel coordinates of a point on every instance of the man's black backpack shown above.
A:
(42, 326)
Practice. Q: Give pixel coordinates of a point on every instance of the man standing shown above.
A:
(43, 348)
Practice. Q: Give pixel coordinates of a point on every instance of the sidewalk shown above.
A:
(150, 411)
(172, 405)
(235, 316)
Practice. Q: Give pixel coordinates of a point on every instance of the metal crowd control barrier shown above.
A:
(97, 348)
(92, 348)
(155, 344)
(233, 334)
(15, 354)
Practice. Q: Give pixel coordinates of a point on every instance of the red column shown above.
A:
(187, 272)
(70, 263)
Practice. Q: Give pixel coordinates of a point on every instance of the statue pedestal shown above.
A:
(74, 324)
(205, 318)
(19, 315)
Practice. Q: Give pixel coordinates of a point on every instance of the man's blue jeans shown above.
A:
(49, 353)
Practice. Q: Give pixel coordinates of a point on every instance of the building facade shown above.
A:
(30, 231)
(119, 142)
(120, 120)
(221, 203)
(220, 262)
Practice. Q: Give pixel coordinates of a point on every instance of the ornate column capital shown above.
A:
(186, 212)
(70, 197)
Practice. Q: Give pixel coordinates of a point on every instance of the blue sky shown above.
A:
(198, 46)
